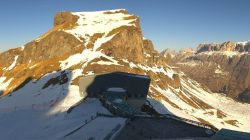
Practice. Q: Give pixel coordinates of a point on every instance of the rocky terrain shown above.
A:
(223, 68)
(39, 81)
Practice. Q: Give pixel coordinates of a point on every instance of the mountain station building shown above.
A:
(121, 93)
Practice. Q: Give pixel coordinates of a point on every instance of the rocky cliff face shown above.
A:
(222, 68)
(46, 70)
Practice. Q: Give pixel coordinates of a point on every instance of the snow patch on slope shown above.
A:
(155, 69)
(166, 71)
(22, 48)
(13, 64)
(100, 41)
(85, 57)
(106, 63)
(132, 65)
(4, 85)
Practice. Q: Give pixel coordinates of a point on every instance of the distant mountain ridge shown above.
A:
(221, 67)
(226, 46)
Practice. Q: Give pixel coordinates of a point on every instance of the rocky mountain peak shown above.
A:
(168, 53)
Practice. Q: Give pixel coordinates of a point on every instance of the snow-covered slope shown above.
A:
(39, 90)
(195, 103)
(37, 113)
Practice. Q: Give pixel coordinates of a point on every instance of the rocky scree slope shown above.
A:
(44, 73)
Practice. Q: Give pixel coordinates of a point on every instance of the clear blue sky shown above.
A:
(168, 23)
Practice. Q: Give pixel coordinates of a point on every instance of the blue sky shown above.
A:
(168, 23)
